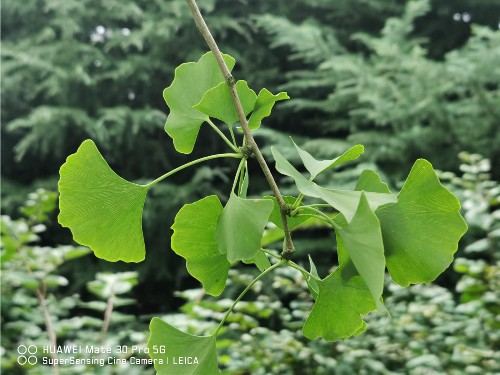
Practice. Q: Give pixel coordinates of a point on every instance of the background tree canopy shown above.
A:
(407, 79)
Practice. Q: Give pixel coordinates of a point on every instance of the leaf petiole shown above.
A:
(292, 264)
(238, 172)
(232, 134)
(297, 202)
(280, 263)
(194, 162)
(313, 216)
(218, 131)
(323, 215)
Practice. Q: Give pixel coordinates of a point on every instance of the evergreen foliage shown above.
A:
(388, 94)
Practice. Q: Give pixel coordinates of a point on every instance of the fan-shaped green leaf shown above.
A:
(315, 167)
(345, 201)
(217, 102)
(339, 305)
(370, 181)
(263, 106)
(177, 353)
(194, 239)
(421, 231)
(362, 238)
(102, 210)
(191, 81)
(260, 260)
(241, 225)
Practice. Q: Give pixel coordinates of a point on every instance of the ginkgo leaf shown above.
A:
(275, 218)
(102, 210)
(362, 238)
(315, 167)
(339, 305)
(345, 201)
(178, 353)
(260, 260)
(217, 102)
(263, 106)
(241, 225)
(421, 231)
(370, 181)
(194, 239)
(191, 81)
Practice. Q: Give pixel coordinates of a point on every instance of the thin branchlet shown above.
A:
(207, 35)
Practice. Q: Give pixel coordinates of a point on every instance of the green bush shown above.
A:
(37, 310)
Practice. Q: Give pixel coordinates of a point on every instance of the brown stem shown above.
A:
(207, 35)
(107, 316)
(50, 329)
(41, 293)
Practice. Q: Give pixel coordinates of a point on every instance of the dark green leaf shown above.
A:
(167, 346)
(338, 308)
(362, 238)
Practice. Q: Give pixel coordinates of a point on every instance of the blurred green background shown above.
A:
(407, 79)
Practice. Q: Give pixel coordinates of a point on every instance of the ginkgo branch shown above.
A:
(207, 35)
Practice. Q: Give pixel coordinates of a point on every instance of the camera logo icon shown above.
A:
(27, 355)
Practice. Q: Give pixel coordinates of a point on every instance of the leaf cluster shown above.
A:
(414, 233)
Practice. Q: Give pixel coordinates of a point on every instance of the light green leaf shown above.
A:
(260, 260)
(338, 308)
(102, 210)
(241, 225)
(370, 181)
(167, 345)
(191, 81)
(362, 238)
(263, 106)
(194, 239)
(421, 232)
(217, 102)
(315, 167)
(345, 201)
(275, 218)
